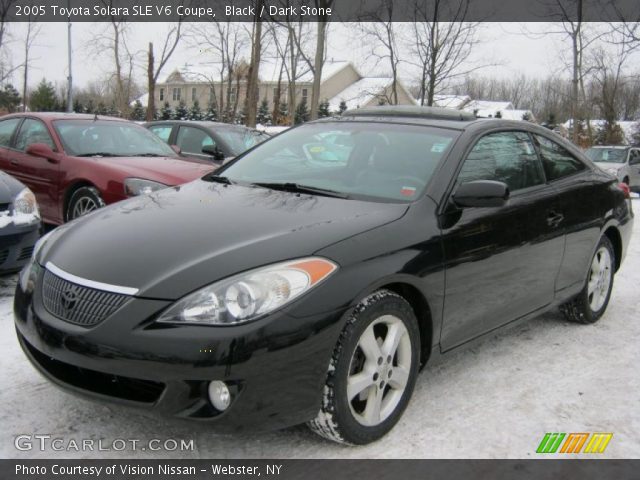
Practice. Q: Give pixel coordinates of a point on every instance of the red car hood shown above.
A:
(170, 171)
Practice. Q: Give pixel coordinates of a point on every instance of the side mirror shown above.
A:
(41, 150)
(481, 193)
(213, 151)
(176, 149)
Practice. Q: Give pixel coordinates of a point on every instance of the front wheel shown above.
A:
(372, 371)
(590, 304)
(84, 200)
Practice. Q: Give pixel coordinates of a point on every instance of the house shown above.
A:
(341, 81)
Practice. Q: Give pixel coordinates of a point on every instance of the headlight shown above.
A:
(25, 208)
(612, 171)
(140, 186)
(250, 295)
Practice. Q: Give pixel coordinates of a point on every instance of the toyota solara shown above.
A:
(309, 280)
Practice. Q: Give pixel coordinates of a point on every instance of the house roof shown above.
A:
(488, 108)
(451, 101)
(360, 93)
(270, 70)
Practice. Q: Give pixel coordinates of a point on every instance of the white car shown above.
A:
(623, 162)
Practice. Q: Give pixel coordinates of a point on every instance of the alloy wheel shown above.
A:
(599, 279)
(83, 206)
(379, 370)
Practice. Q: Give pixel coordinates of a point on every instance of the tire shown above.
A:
(626, 180)
(590, 304)
(84, 200)
(373, 319)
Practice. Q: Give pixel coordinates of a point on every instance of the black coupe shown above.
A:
(309, 279)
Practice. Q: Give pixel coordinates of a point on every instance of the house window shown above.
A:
(305, 95)
(232, 95)
(161, 94)
(177, 94)
(193, 94)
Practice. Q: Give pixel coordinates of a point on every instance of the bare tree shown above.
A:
(171, 41)
(225, 42)
(6, 69)
(33, 30)
(251, 105)
(442, 48)
(378, 26)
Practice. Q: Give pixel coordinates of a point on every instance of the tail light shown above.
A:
(625, 188)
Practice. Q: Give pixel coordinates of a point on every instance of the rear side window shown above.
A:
(7, 127)
(507, 157)
(192, 140)
(556, 160)
(162, 131)
(33, 131)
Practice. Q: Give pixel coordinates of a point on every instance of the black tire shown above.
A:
(89, 196)
(579, 309)
(626, 180)
(335, 420)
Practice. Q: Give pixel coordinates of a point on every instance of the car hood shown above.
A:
(180, 239)
(167, 170)
(9, 188)
(608, 165)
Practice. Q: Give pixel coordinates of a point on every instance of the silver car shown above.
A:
(623, 162)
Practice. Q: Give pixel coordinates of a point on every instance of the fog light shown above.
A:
(219, 395)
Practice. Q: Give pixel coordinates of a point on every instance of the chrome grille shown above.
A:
(78, 304)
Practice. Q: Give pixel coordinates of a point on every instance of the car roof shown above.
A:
(201, 123)
(65, 116)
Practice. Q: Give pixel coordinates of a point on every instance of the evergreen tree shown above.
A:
(302, 113)
(166, 113)
(138, 112)
(240, 117)
(526, 117)
(77, 106)
(181, 112)
(498, 114)
(195, 113)
(43, 98)
(264, 115)
(342, 107)
(9, 98)
(283, 111)
(212, 113)
(101, 109)
(227, 115)
(323, 109)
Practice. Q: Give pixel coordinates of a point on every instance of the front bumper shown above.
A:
(275, 367)
(16, 246)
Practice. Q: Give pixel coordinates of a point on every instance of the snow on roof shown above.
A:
(270, 70)
(143, 99)
(193, 72)
(516, 114)
(487, 108)
(360, 93)
(451, 101)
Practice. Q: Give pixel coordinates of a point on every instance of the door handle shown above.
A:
(14, 161)
(554, 219)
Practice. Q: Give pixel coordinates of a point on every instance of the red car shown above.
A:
(77, 163)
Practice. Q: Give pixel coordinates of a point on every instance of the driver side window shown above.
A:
(507, 157)
(634, 157)
(33, 131)
(192, 140)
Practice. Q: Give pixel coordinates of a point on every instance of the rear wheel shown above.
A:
(590, 304)
(84, 200)
(372, 371)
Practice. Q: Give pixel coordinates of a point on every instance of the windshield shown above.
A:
(357, 159)
(109, 138)
(241, 139)
(607, 155)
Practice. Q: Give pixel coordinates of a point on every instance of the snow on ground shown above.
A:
(495, 400)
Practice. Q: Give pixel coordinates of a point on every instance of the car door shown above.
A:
(7, 131)
(41, 175)
(634, 169)
(192, 140)
(582, 200)
(501, 262)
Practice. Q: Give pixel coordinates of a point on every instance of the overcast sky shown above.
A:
(503, 45)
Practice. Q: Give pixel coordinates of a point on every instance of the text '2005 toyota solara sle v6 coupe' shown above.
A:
(311, 278)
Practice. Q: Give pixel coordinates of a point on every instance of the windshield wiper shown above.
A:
(98, 154)
(217, 178)
(297, 188)
(147, 155)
